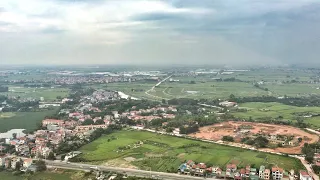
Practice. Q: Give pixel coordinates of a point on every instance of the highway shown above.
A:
(147, 92)
(127, 171)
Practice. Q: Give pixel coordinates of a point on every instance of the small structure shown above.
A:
(305, 176)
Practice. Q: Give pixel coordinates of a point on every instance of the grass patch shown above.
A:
(22, 120)
(260, 110)
(172, 153)
(49, 94)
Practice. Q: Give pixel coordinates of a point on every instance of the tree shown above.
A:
(100, 121)
(227, 138)
(88, 122)
(232, 97)
(299, 139)
(309, 157)
(261, 142)
(18, 166)
(51, 156)
(41, 165)
(14, 135)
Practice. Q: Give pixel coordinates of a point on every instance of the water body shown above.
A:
(8, 134)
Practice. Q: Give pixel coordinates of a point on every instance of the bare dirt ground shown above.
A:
(120, 163)
(230, 128)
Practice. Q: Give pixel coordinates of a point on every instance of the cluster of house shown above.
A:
(161, 112)
(17, 163)
(232, 172)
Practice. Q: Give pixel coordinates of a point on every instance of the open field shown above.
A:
(163, 153)
(259, 110)
(234, 129)
(206, 86)
(209, 89)
(22, 120)
(49, 94)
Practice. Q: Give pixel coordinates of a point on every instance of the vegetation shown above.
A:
(23, 120)
(259, 111)
(166, 153)
(227, 138)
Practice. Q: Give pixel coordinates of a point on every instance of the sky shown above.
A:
(231, 32)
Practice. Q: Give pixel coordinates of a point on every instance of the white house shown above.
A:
(2, 160)
(305, 176)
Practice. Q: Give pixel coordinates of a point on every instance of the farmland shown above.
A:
(259, 110)
(22, 120)
(165, 153)
(49, 94)
(276, 82)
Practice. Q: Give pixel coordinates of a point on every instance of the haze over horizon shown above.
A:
(159, 31)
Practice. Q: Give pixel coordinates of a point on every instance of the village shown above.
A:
(233, 172)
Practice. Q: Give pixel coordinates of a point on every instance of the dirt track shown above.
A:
(217, 131)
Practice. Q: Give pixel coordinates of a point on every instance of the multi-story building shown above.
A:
(277, 173)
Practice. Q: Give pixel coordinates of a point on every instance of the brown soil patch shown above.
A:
(119, 163)
(231, 128)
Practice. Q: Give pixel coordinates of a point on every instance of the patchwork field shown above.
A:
(22, 120)
(165, 153)
(49, 94)
(231, 128)
(259, 110)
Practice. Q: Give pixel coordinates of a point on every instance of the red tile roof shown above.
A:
(274, 169)
(304, 173)
(231, 166)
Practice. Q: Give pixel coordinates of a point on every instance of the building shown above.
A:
(277, 173)
(305, 176)
(2, 160)
(261, 172)
(52, 122)
(232, 167)
(264, 173)
(27, 163)
(90, 127)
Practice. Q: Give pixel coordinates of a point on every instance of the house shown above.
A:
(243, 172)
(277, 173)
(261, 172)
(232, 167)
(183, 169)
(264, 173)
(15, 162)
(247, 171)
(199, 169)
(237, 176)
(27, 163)
(176, 131)
(305, 176)
(253, 171)
(2, 160)
(7, 163)
(267, 174)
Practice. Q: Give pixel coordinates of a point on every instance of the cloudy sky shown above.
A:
(159, 31)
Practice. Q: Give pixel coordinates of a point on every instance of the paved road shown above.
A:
(129, 172)
(147, 92)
